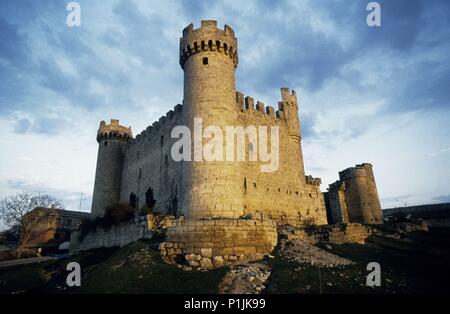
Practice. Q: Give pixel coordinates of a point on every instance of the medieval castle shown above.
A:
(228, 208)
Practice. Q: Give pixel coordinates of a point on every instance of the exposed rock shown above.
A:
(190, 257)
(245, 278)
(206, 263)
(302, 252)
(206, 252)
(194, 263)
(218, 261)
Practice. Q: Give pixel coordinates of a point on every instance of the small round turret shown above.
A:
(112, 139)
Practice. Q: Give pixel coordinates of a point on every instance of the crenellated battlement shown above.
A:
(247, 104)
(207, 24)
(313, 181)
(113, 130)
(288, 103)
(162, 121)
(353, 172)
(208, 38)
(288, 97)
(336, 186)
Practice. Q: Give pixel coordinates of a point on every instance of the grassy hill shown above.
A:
(415, 263)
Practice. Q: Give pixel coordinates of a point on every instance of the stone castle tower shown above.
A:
(209, 58)
(354, 198)
(112, 139)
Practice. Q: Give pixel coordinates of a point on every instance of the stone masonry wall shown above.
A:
(119, 235)
(217, 242)
(338, 233)
(148, 165)
(285, 195)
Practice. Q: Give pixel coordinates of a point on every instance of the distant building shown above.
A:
(436, 215)
(51, 227)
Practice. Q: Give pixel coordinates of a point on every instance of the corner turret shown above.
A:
(112, 139)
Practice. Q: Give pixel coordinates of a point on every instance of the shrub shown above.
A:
(118, 213)
(114, 214)
(88, 226)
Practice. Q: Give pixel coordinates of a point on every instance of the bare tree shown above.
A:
(34, 214)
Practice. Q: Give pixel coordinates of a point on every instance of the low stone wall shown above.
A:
(338, 233)
(419, 225)
(118, 235)
(217, 242)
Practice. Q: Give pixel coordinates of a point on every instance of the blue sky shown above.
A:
(378, 95)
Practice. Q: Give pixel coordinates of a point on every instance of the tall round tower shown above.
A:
(290, 107)
(112, 139)
(363, 203)
(209, 58)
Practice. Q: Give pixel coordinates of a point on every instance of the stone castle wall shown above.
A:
(216, 242)
(115, 236)
(336, 203)
(286, 195)
(337, 234)
(148, 165)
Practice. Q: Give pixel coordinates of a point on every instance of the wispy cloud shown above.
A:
(439, 152)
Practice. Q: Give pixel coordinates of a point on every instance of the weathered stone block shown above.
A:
(206, 252)
(206, 263)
